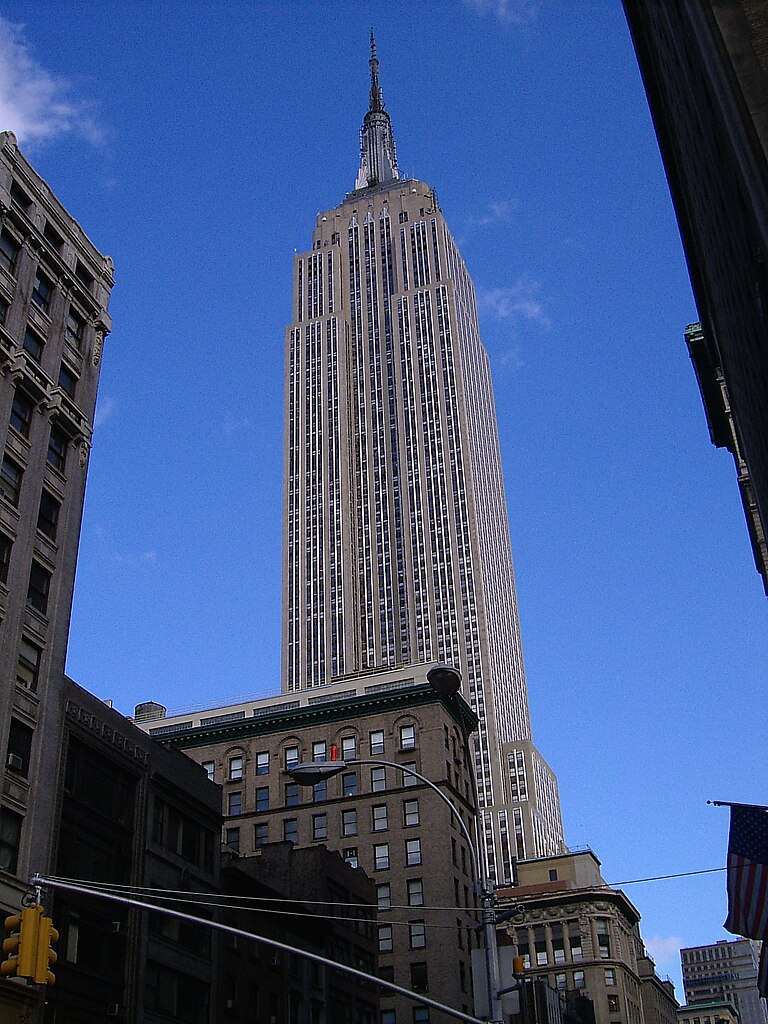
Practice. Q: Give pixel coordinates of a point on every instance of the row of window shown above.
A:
(321, 751)
(419, 1014)
(349, 788)
(417, 936)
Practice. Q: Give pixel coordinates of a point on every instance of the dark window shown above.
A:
(3, 310)
(417, 934)
(319, 826)
(9, 250)
(10, 835)
(261, 833)
(48, 516)
(177, 996)
(320, 791)
(290, 830)
(75, 328)
(349, 823)
(5, 556)
(57, 449)
(42, 290)
(233, 838)
(292, 794)
(34, 344)
(19, 197)
(39, 587)
(234, 803)
(28, 667)
(10, 480)
(84, 275)
(419, 981)
(52, 236)
(349, 784)
(262, 798)
(68, 380)
(19, 747)
(21, 412)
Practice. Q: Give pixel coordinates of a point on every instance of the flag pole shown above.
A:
(728, 803)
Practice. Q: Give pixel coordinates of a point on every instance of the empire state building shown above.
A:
(396, 549)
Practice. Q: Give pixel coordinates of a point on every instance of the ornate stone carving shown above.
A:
(98, 344)
(83, 454)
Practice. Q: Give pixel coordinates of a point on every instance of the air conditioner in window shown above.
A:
(274, 959)
(230, 1004)
(114, 1010)
(15, 762)
(119, 928)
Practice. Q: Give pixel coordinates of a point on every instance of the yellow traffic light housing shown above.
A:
(46, 957)
(21, 945)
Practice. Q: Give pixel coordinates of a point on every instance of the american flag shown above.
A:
(748, 881)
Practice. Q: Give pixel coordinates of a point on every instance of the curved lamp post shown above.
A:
(312, 772)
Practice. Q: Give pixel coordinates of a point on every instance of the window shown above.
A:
(57, 449)
(262, 798)
(67, 380)
(412, 852)
(377, 741)
(574, 934)
(28, 666)
(5, 556)
(349, 853)
(233, 838)
(291, 794)
(320, 791)
(408, 779)
(291, 757)
(578, 979)
(261, 833)
(419, 983)
(407, 737)
(384, 896)
(379, 818)
(48, 515)
(561, 982)
(19, 747)
(20, 198)
(74, 329)
(3, 310)
(21, 413)
(540, 945)
(319, 826)
(349, 823)
(381, 856)
(39, 588)
(234, 803)
(410, 812)
(9, 250)
(235, 768)
(603, 939)
(262, 763)
(10, 836)
(403, 217)
(385, 938)
(290, 830)
(415, 887)
(378, 779)
(209, 767)
(417, 934)
(319, 751)
(84, 276)
(10, 480)
(420, 1013)
(349, 784)
(42, 290)
(610, 976)
(34, 344)
(348, 747)
(388, 1017)
(613, 1004)
(52, 236)
(553, 874)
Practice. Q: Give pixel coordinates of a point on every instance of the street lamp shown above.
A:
(312, 772)
(445, 680)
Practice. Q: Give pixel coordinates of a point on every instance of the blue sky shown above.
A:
(196, 144)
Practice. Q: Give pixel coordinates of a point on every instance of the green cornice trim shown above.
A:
(344, 708)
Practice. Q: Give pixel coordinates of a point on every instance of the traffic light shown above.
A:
(21, 945)
(46, 956)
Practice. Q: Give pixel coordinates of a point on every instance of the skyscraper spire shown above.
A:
(378, 159)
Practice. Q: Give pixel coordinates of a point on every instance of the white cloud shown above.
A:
(35, 103)
(104, 409)
(498, 210)
(518, 301)
(515, 12)
(665, 952)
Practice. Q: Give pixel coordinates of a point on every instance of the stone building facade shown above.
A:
(725, 970)
(54, 293)
(387, 822)
(581, 936)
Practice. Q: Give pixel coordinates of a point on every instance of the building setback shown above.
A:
(54, 293)
(377, 817)
(396, 548)
(582, 937)
(725, 970)
(705, 69)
